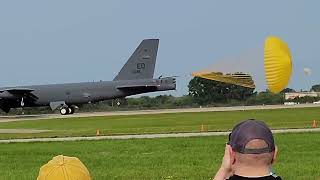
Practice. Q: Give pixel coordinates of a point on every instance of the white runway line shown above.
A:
(146, 136)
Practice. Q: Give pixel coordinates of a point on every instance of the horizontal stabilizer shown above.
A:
(137, 87)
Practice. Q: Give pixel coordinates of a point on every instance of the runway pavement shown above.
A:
(146, 136)
(160, 111)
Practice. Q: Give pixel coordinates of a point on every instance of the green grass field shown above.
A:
(168, 158)
(162, 123)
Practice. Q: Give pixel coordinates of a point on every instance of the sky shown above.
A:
(45, 42)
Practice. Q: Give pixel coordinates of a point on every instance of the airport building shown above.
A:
(292, 95)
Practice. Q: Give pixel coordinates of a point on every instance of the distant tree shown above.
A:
(315, 88)
(265, 97)
(287, 90)
(184, 101)
(147, 101)
(164, 99)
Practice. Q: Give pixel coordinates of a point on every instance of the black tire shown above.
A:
(71, 110)
(64, 111)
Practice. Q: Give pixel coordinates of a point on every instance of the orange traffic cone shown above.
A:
(98, 132)
(202, 128)
(314, 124)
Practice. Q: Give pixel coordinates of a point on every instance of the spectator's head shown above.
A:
(64, 168)
(252, 145)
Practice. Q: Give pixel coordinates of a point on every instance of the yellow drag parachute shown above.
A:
(277, 64)
(277, 67)
(240, 79)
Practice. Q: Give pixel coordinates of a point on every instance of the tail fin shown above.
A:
(141, 63)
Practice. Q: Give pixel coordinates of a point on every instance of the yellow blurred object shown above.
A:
(240, 79)
(64, 168)
(277, 64)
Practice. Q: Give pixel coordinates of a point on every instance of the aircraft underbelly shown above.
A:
(76, 96)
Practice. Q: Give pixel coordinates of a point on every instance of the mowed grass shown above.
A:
(162, 123)
(167, 158)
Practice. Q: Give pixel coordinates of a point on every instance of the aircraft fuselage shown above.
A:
(87, 92)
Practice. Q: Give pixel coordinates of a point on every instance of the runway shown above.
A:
(146, 136)
(159, 111)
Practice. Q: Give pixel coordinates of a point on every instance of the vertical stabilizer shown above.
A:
(141, 63)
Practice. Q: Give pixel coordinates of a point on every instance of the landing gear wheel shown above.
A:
(70, 110)
(64, 111)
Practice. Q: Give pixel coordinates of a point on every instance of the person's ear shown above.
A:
(274, 154)
(233, 157)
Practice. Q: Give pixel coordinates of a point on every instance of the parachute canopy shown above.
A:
(240, 79)
(277, 64)
(248, 71)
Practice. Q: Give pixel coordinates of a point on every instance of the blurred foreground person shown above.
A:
(249, 154)
(64, 168)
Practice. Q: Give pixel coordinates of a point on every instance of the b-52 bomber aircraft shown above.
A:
(135, 77)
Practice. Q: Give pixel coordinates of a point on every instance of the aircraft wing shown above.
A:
(20, 92)
(9, 97)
